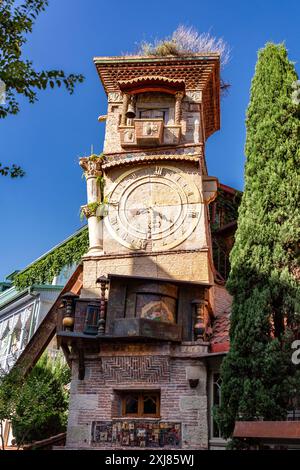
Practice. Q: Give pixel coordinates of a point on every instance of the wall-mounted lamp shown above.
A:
(193, 375)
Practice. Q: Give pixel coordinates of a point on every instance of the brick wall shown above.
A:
(154, 368)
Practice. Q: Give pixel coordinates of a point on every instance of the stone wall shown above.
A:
(164, 368)
(191, 128)
(184, 266)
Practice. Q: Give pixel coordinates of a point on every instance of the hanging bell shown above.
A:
(130, 114)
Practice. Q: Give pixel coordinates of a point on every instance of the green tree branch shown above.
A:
(18, 74)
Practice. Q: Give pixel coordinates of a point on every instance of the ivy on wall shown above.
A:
(229, 204)
(44, 270)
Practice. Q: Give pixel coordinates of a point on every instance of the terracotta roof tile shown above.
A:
(220, 337)
(147, 158)
(267, 429)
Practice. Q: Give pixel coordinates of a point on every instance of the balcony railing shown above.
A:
(149, 133)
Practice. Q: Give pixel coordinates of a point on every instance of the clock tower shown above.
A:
(140, 337)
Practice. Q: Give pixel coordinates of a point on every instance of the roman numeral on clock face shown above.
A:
(192, 213)
(141, 244)
(158, 170)
(113, 202)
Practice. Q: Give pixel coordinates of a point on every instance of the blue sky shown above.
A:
(47, 138)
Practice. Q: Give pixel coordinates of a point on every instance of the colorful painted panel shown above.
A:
(136, 433)
(156, 307)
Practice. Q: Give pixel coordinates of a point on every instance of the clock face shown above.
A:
(153, 208)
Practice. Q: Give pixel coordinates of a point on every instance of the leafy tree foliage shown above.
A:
(259, 378)
(37, 404)
(18, 74)
(10, 385)
(13, 171)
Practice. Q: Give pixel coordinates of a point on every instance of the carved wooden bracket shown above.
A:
(103, 281)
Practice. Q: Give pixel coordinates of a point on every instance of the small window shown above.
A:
(91, 319)
(159, 113)
(216, 402)
(131, 405)
(141, 404)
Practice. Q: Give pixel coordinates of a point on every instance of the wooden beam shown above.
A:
(47, 329)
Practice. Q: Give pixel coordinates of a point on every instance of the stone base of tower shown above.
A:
(175, 375)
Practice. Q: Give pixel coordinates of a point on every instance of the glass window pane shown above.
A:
(26, 325)
(150, 404)
(5, 335)
(216, 402)
(145, 114)
(153, 114)
(91, 321)
(158, 114)
(16, 335)
(131, 404)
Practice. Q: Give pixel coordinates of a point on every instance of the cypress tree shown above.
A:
(259, 378)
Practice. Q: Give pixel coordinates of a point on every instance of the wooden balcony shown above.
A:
(145, 328)
(149, 133)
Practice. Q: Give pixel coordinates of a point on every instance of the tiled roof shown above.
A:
(144, 79)
(220, 336)
(199, 72)
(267, 429)
(147, 158)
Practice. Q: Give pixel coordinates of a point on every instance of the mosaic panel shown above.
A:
(137, 433)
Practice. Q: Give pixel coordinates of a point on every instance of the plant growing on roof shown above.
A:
(186, 40)
(95, 157)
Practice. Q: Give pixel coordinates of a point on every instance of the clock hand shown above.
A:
(162, 215)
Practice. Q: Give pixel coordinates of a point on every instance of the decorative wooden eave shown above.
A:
(199, 72)
(150, 158)
(147, 83)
